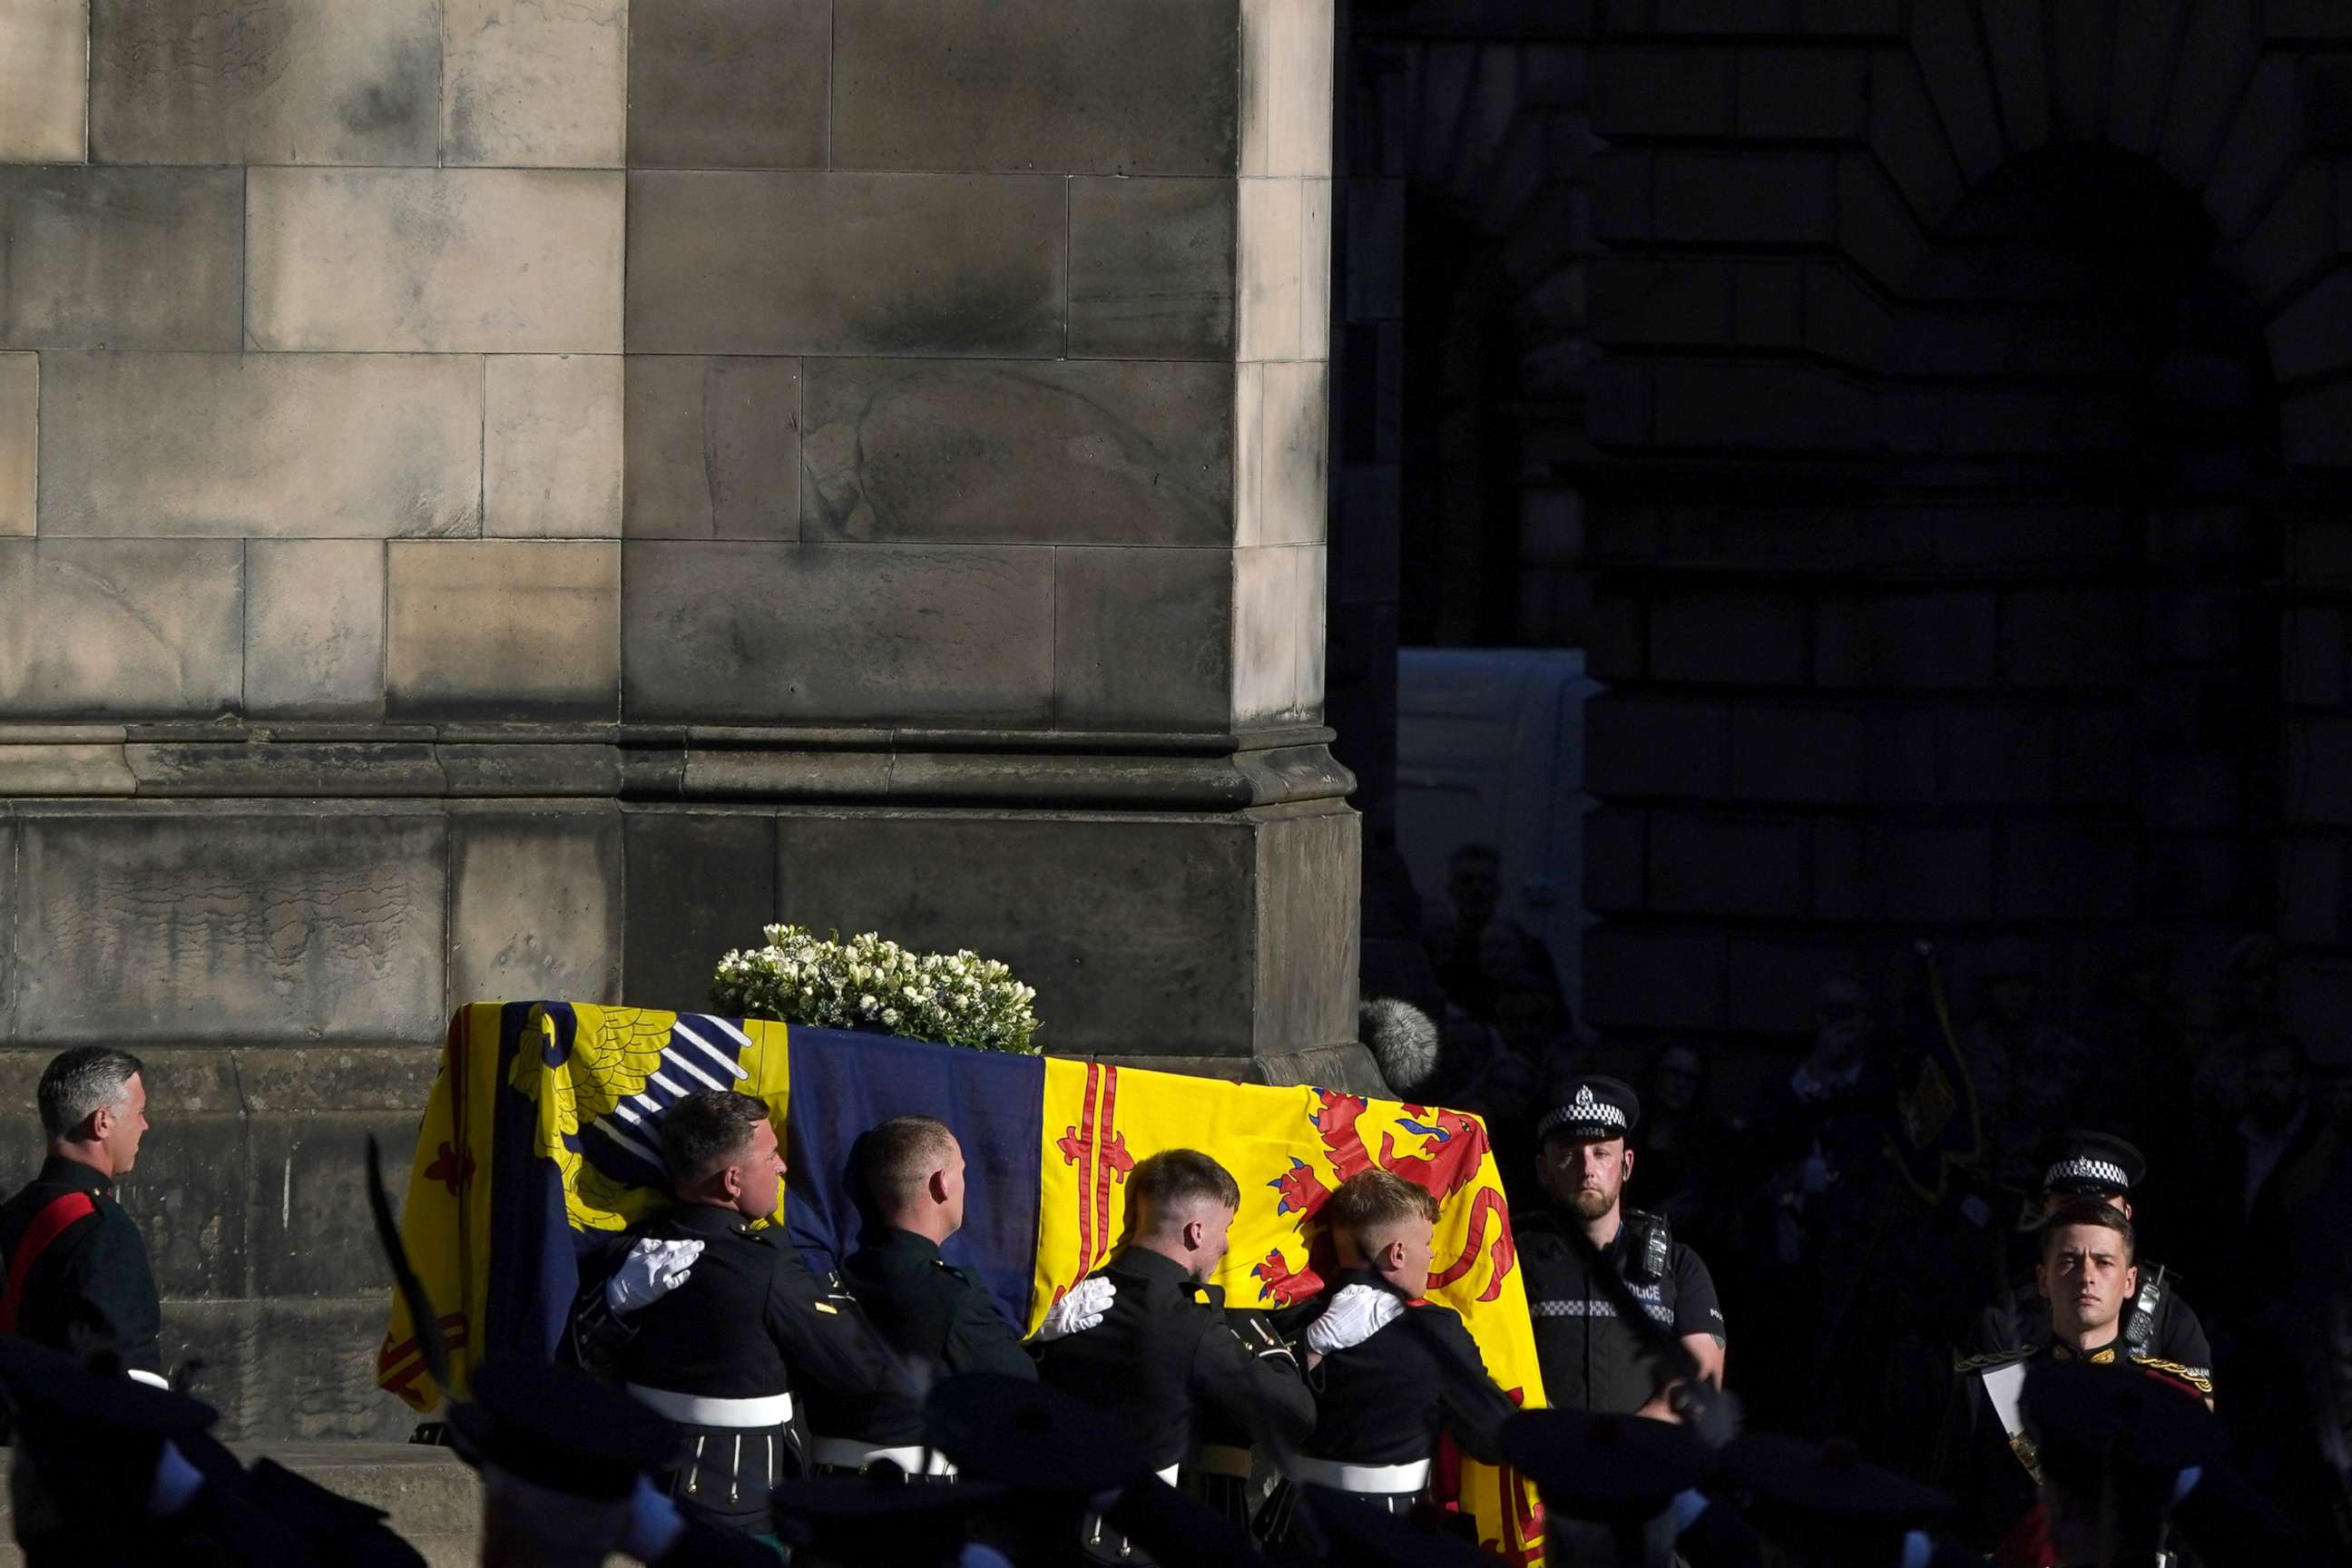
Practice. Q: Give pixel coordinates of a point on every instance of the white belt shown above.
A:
(1381, 1481)
(151, 1379)
(1221, 1459)
(709, 1410)
(850, 1453)
(1168, 1475)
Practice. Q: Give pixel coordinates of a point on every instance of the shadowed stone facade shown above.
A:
(500, 499)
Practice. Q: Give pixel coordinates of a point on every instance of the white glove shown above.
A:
(1078, 1311)
(1355, 1315)
(651, 1271)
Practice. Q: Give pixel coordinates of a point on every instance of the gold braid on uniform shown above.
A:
(2198, 1377)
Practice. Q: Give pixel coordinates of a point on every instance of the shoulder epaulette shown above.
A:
(1990, 1358)
(2199, 1377)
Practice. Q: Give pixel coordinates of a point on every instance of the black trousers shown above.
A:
(722, 1475)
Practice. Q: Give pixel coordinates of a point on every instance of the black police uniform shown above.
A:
(1381, 1404)
(749, 1343)
(2156, 1324)
(90, 1289)
(1163, 1361)
(1590, 1360)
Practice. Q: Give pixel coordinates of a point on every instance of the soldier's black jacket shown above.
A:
(1591, 1361)
(2019, 1320)
(91, 1289)
(1383, 1402)
(753, 1320)
(931, 1311)
(1162, 1356)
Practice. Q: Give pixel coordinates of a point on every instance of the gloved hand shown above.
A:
(1355, 1315)
(652, 1270)
(1078, 1311)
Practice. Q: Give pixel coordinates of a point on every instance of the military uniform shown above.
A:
(78, 1281)
(1382, 1403)
(1221, 1471)
(748, 1348)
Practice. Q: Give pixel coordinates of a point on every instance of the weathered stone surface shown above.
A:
(1163, 906)
(846, 264)
(300, 1079)
(1284, 425)
(729, 84)
(314, 627)
(535, 769)
(188, 1195)
(237, 446)
(306, 1192)
(330, 81)
(1308, 884)
(131, 627)
(1056, 85)
(534, 82)
(124, 258)
(1152, 267)
(20, 405)
(10, 833)
(1277, 608)
(1266, 310)
(1287, 72)
(503, 260)
(191, 925)
(698, 883)
(69, 768)
(1143, 637)
(1017, 452)
(713, 448)
(221, 1337)
(535, 906)
(552, 459)
(725, 632)
(503, 628)
(197, 1081)
(43, 100)
(327, 1389)
(201, 769)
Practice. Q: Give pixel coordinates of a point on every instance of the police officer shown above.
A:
(1390, 1370)
(1160, 1355)
(77, 1271)
(2102, 1168)
(1590, 1360)
(730, 1353)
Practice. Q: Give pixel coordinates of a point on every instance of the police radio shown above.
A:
(2141, 1330)
(1649, 1245)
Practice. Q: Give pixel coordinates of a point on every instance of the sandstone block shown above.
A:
(261, 445)
(1713, 864)
(1017, 452)
(1164, 905)
(1152, 267)
(316, 1378)
(188, 1195)
(697, 883)
(1644, 745)
(1802, 93)
(1654, 979)
(10, 833)
(1308, 883)
(20, 404)
(1616, 875)
(552, 439)
(126, 258)
(288, 924)
(1277, 611)
(536, 82)
(2013, 40)
(302, 1078)
(1287, 76)
(1785, 197)
(713, 448)
(1143, 637)
(1946, 43)
(307, 1195)
(1796, 754)
(1745, 638)
(1942, 640)
(503, 628)
(221, 1335)
(1284, 425)
(1664, 92)
(1268, 310)
(119, 628)
(726, 633)
(846, 264)
(534, 908)
(501, 260)
(332, 81)
(73, 768)
(44, 87)
(1066, 86)
(729, 84)
(314, 629)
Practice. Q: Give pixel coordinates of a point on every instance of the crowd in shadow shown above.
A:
(1849, 1278)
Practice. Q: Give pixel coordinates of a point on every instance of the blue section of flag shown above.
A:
(533, 1261)
(843, 1083)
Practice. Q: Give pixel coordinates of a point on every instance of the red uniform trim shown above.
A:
(61, 1214)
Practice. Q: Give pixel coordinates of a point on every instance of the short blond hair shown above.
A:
(1376, 1202)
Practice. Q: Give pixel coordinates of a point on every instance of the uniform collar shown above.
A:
(895, 1243)
(69, 1172)
(1152, 1266)
(706, 1219)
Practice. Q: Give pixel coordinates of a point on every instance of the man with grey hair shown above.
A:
(76, 1273)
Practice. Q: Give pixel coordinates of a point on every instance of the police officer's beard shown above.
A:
(1590, 1203)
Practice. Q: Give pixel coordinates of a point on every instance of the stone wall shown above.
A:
(500, 498)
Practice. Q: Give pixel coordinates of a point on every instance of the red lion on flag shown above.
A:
(1452, 1147)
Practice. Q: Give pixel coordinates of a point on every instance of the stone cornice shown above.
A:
(841, 765)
